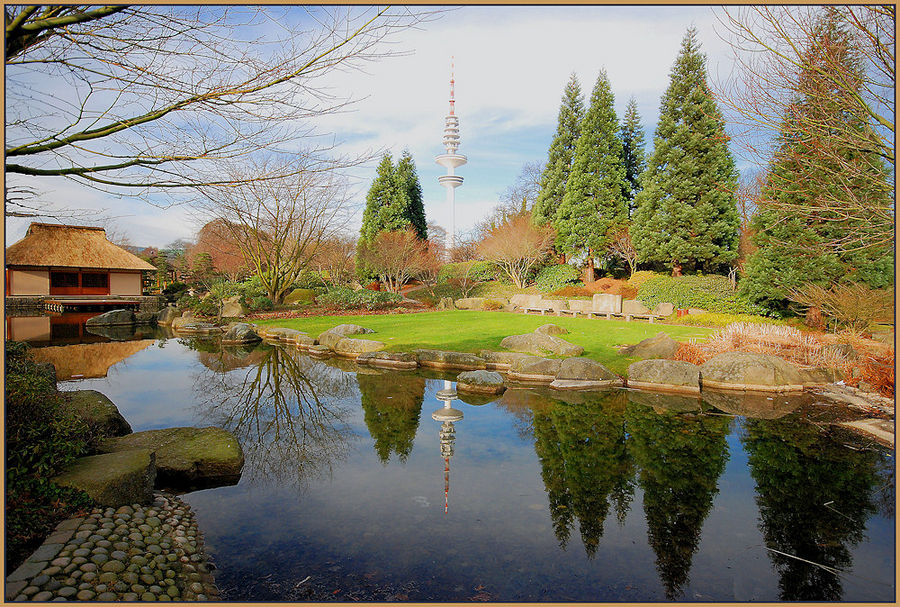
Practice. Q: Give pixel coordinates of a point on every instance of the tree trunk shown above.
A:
(589, 274)
(676, 269)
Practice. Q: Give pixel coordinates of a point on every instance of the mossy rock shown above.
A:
(187, 458)
(113, 479)
(300, 295)
(100, 413)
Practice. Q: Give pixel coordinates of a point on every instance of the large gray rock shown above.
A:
(279, 333)
(500, 361)
(100, 413)
(389, 360)
(145, 318)
(820, 376)
(333, 335)
(540, 344)
(584, 374)
(534, 369)
(240, 333)
(445, 303)
(441, 359)
(845, 351)
(233, 308)
(469, 303)
(167, 315)
(113, 317)
(354, 347)
(661, 346)
(195, 327)
(750, 371)
(182, 320)
(113, 479)
(551, 329)
(481, 382)
(665, 375)
(186, 458)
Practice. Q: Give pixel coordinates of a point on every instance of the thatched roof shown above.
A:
(71, 247)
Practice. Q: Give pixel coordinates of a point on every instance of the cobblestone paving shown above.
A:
(132, 553)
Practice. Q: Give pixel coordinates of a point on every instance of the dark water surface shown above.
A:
(351, 491)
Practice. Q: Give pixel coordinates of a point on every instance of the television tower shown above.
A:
(451, 160)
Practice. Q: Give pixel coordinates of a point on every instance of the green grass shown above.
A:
(470, 331)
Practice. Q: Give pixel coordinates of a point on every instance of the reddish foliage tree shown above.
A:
(215, 239)
(517, 246)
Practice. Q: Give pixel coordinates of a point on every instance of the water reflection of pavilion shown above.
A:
(88, 360)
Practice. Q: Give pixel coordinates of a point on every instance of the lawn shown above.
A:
(470, 331)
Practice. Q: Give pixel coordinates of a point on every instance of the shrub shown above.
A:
(478, 271)
(850, 306)
(712, 293)
(187, 302)
(175, 289)
(719, 319)
(573, 291)
(639, 278)
(615, 286)
(553, 278)
(343, 298)
(42, 437)
(492, 304)
(308, 279)
(261, 303)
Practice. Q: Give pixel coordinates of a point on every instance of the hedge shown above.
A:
(709, 292)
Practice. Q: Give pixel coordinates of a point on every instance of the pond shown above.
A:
(352, 491)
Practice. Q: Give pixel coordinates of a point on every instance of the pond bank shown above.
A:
(133, 553)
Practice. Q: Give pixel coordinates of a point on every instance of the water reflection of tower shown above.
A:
(447, 415)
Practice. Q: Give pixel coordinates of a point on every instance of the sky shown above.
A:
(511, 65)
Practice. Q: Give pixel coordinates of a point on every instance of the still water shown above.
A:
(351, 491)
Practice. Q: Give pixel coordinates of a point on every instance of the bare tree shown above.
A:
(144, 99)
(395, 256)
(335, 259)
(517, 246)
(279, 224)
(791, 71)
(522, 194)
(620, 246)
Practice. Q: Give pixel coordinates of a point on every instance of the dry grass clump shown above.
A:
(573, 291)
(613, 286)
(875, 364)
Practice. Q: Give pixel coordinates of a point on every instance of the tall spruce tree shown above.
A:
(799, 220)
(380, 196)
(594, 200)
(409, 195)
(633, 154)
(686, 214)
(559, 157)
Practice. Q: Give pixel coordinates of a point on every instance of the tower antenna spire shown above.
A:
(451, 160)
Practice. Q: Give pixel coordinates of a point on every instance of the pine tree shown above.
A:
(633, 153)
(594, 200)
(559, 157)
(379, 197)
(797, 224)
(686, 214)
(408, 191)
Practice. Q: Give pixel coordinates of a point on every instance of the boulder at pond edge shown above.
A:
(113, 479)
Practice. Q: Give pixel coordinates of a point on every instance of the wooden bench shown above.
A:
(526, 310)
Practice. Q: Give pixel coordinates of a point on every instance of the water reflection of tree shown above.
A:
(680, 457)
(392, 403)
(584, 464)
(814, 497)
(285, 408)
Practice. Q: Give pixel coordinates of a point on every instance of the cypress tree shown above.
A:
(797, 224)
(686, 214)
(559, 157)
(594, 200)
(408, 191)
(380, 196)
(633, 154)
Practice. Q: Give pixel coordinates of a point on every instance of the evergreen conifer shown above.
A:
(594, 200)
(686, 214)
(559, 157)
(633, 154)
(796, 227)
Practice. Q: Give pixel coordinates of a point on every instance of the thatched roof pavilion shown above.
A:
(71, 260)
